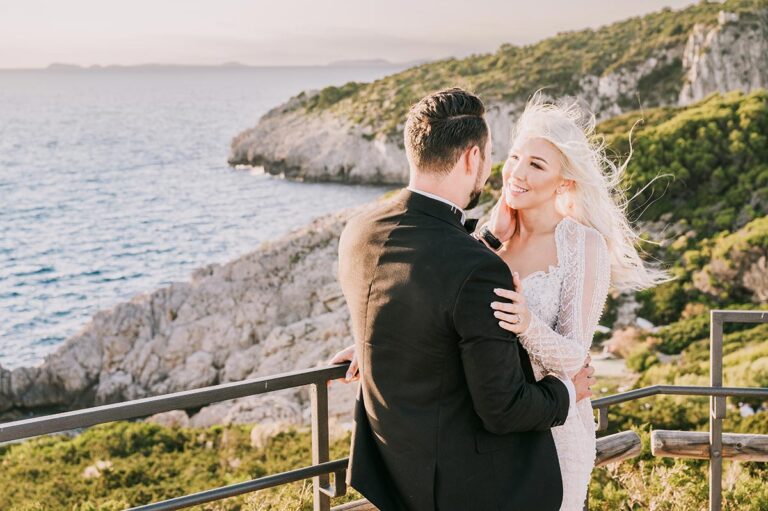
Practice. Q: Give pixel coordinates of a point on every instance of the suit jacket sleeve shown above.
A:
(502, 397)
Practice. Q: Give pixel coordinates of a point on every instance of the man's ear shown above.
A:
(473, 158)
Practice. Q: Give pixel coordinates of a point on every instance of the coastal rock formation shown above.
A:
(274, 310)
(335, 148)
(349, 142)
(731, 56)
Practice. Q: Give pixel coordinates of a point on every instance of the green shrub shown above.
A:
(641, 359)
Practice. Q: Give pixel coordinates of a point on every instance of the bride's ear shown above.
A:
(566, 185)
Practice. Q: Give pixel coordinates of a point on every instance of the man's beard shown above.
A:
(474, 197)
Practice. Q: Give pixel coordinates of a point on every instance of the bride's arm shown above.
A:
(582, 297)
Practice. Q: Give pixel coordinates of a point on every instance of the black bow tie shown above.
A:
(470, 224)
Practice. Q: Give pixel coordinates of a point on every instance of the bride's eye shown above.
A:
(536, 165)
(513, 157)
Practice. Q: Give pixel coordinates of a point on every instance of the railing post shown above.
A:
(320, 444)
(716, 412)
(602, 418)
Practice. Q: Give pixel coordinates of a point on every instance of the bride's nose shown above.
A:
(516, 170)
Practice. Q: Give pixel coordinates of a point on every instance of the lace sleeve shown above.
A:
(586, 278)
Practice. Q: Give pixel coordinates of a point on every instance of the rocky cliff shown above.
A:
(669, 58)
(277, 309)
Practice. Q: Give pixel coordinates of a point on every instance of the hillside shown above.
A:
(352, 133)
(707, 208)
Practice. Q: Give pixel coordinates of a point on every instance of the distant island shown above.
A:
(376, 62)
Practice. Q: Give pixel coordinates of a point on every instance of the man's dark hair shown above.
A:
(442, 126)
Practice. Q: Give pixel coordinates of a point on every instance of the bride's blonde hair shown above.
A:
(595, 198)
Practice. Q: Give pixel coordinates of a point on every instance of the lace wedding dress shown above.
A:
(566, 303)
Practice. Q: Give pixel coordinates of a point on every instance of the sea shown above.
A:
(115, 182)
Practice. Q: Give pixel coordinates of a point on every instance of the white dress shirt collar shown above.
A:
(441, 199)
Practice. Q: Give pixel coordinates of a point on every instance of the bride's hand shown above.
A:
(514, 317)
(348, 354)
(503, 219)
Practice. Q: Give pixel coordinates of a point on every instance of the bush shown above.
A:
(641, 359)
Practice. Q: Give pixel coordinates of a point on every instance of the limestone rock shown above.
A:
(97, 469)
(276, 407)
(172, 419)
(333, 149)
(274, 310)
(261, 434)
(731, 56)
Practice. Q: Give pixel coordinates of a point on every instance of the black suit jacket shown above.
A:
(449, 415)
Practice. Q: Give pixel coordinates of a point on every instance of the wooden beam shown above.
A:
(695, 444)
(617, 447)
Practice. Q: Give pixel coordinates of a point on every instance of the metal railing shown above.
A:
(321, 467)
(716, 392)
(317, 379)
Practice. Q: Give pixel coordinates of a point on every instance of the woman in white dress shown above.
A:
(567, 240)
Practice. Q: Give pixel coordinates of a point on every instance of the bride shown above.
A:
(567, 240)
(561, 227)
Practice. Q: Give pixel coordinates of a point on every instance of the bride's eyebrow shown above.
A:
(540, 158)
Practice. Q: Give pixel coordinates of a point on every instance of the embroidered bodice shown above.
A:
(566, 302)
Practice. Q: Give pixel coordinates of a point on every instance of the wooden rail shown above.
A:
(617, 447)
(695, 445)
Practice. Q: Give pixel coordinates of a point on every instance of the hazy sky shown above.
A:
(34, 33)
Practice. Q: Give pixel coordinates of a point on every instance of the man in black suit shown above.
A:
(449, 414)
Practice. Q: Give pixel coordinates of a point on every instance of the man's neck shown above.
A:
(443, 188)
(454, 206)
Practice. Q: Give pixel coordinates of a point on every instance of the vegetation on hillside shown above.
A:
(710, 166)
(716, 201)
(558, 63)
(715, 154)
(119, 465)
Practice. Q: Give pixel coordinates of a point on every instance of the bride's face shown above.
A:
(532, 174)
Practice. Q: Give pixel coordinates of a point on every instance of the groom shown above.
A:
(449, 416)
